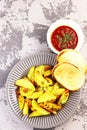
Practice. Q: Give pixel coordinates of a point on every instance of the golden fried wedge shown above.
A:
(64, 97)
(36, 107)
(47, 73)
(26, 108)
(48, 109)
(47, 96)
(42, 68)
(56, 85)
(57, 91)
(24, 82)
(69, 76)
(41, 81)
(51, 107)
(74, 57)
(30, 74)
(35, 95)
(29, 93)
(49, 80)
(37, 113)
(39, 69)
(25, 92)
(21, 102)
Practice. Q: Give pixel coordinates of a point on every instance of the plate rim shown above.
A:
(7, 86)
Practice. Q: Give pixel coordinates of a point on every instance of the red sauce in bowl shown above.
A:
(64, 37)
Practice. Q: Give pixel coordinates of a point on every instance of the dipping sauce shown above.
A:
(64, 37)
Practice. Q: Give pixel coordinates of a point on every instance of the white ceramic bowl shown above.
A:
(65, 22)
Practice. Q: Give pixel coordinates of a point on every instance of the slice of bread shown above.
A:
(69, 75)
(74, 57)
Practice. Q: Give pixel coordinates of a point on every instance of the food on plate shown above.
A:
(47, 73)
(41, 81)
(25, 83)
(37, 113)
(74, 57)
(25, 108)
(46, 89)
(64, 97)
(21, 101)
(69, 76)
(51, 107)
(30, 74)
(46, 97)
(38, 110)
(38, 93)
(30, 94)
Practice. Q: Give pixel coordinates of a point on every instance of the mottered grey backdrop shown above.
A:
(23, 28)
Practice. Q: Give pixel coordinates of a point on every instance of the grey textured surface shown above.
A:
(23, 27)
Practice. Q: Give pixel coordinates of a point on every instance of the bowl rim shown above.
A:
(67, 22)
(18, 70)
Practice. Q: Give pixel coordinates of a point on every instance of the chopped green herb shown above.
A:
(67, 37)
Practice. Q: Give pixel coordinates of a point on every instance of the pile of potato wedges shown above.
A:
(39, 94)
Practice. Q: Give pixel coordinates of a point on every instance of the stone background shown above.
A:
(23, 28)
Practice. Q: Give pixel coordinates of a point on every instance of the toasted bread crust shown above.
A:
(74, 57)
(69, 76)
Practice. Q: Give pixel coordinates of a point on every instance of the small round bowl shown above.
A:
(69, 23)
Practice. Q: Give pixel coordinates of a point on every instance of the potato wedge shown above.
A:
(41, 81)
(47, 96)
(36, 107)
(69, 76)
(30, 74)
(56, 85)
(42, 68)
(35, 95)
(51, 107)
(49, 80)
(21, 102)
(35, 114)
(26, 108)
(39, 69)
(49, 89)
(24, 82)
(29, 93)
(57, 92)
(25, 92)
(64, 97)
(47, 73)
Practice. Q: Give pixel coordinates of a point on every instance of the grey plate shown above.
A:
(21, 69)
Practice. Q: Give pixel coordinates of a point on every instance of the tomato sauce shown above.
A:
(64, 37)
